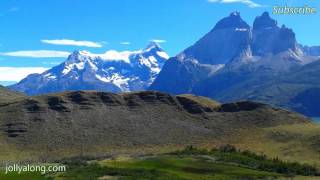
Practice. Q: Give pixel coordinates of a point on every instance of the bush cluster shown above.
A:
(231, 154)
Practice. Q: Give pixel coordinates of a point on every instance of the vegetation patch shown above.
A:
(252, 160)
(224, 163)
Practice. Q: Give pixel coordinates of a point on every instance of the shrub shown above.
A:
(229, 153)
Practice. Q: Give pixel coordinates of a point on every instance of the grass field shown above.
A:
(192, 168)
(179, 165)
(163, 167)
(224, 163)
(296, 142)
(22, 176)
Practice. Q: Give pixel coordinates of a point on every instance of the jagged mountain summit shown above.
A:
(228, 39)
(234, 59)
(270, 39)
(112, 71)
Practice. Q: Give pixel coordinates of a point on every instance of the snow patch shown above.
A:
(241, 29)
(117, 80)
(163, 54)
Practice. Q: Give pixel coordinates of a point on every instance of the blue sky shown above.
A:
(52, 28)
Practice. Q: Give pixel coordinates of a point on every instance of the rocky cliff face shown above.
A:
(268, 38)
(234, 59)
(228, 39)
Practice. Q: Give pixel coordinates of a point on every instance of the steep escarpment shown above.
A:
(84, 122)
(269, 38)
(228, 39)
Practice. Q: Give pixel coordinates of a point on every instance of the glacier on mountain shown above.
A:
(111, 71)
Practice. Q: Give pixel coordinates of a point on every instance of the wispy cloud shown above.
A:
(18, 73)
(13, 9)
(37, 54)
(158, 40)
(249, 3)
(10, 10)
(125, 43)
(50, 63)
(70, 42)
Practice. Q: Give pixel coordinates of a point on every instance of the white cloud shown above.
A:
(125, 43)
(50, 63)
(70, 42)
(158, 40)
(37, 54)
(249, 3)
(18, 73)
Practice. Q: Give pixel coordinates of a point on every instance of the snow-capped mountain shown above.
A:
(112, 71)
(235, 61)
(232, 47)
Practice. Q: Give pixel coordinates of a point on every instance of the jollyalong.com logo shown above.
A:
(43, 169)
(291, 10)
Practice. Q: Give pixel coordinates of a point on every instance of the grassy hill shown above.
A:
(8, 95)
(55, 126)
(141, 125)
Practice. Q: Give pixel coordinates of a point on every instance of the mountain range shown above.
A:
(235, 61)
(245, 68)
(112, 71)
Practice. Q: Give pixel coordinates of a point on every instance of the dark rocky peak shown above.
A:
(286, 39)
(234, 20)
(264, 22)
(227, 40)
(268, 38)
(286, 33)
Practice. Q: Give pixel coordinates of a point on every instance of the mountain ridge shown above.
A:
(92, 123)
(227, 39)
(254, 57)
(112, 71)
